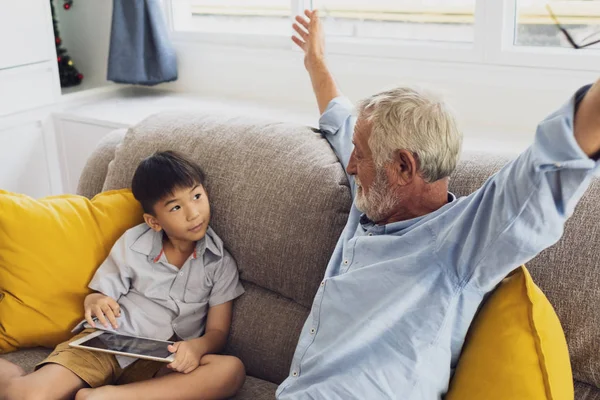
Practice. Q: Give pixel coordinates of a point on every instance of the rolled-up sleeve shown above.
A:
(113, 277)
(522, 209)
(559, 158)
(337, 126)
(226, 284)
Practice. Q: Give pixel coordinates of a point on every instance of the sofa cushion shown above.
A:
(515, 348)
(50, 250)
(584, 391)
(568, 272)
(256, 389)
(27, 358)
(279, 197)
(265, 331)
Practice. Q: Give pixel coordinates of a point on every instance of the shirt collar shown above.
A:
(367, 224)
(150, 244)
(214, 242)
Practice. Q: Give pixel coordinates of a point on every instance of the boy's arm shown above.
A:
(226, 288)
(190, 352)
(113, 277)
(111, 280)
(218, 323)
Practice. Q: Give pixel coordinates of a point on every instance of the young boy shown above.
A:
(169, 278)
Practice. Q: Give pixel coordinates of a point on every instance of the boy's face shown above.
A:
(184, 215)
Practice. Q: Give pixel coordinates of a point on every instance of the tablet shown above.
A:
(114, 343)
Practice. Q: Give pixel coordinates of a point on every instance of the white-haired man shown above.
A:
(408, 274)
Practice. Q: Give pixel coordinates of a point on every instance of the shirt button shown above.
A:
(312, 331)
(345, 262)
(370, 234)
(295, 373)
(181, 274)
(323, 283)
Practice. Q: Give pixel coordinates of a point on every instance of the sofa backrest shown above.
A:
(280, 200)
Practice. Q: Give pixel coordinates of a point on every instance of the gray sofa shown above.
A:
(280, 199)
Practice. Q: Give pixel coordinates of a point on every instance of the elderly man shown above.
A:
(408, 274)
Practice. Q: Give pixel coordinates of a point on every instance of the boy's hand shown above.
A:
(102, 307)
(187, 356)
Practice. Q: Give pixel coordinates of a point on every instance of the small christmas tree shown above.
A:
(69, 75)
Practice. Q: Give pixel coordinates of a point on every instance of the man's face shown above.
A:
(373, 194)
(185, 214)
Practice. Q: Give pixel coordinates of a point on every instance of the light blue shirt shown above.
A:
(391, 314)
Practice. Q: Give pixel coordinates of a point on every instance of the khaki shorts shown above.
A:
(98, 369)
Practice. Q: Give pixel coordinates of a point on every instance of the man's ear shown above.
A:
(403, 168)
(152, 222)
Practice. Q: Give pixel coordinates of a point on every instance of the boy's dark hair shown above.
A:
(160, 174)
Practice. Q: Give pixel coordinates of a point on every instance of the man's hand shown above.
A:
(310, 38)
(312, 42)
(187, 355)
(102, 307)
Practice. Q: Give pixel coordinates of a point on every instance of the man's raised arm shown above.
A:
(522, 209)
(587, 122)
(336, 122)
(311, 40)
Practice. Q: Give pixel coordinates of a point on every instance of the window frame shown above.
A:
(494, 27)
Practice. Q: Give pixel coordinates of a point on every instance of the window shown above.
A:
(430, 20)
(535, 26)
(425, 20)
(234, 16)
(494, 32)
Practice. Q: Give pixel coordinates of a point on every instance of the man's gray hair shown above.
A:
(411, 119)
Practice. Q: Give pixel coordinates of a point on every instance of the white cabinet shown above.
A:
(28, 81)
(28, 68)
(27, 87)
(25, 29)
(24, 164)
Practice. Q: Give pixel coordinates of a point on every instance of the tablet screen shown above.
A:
(128, 344)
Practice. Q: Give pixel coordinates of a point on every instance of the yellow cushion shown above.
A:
(515, 349)
(49, 251)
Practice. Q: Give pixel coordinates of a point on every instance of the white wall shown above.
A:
(85, 30)
(494, 104)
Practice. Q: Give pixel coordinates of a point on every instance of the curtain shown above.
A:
(140, 50)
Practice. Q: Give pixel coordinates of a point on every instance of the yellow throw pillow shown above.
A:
(515, 349)
(49, 251)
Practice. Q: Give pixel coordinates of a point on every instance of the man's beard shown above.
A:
(379, 202)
